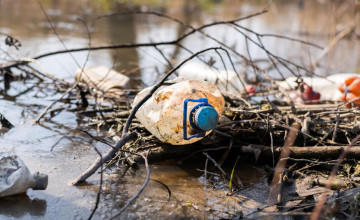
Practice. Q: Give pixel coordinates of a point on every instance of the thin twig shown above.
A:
(222, 171)
(132, 199)
(320, 204)
(336, 127)
(349, 29)
(100, 185)
(134, 45)
(165, 186)
(309, 161)
(163, 55)
(55, 32)
(53, 103)
(205, 186)
(76, 83)
(109, 155)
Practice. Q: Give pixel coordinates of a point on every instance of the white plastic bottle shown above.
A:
(16, 178)
(193, 103)
(227, 81)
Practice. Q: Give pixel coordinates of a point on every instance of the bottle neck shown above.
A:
(205, 118)
(38, 181)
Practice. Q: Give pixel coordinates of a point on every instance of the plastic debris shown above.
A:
(351, 90)
(327, 86)
(227, 81)
(16, 178)
(196, 104)
(103, 78)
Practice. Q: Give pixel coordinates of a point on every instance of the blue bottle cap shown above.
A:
(206, 118)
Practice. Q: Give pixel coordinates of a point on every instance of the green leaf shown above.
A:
(232, 175)
(189, 203)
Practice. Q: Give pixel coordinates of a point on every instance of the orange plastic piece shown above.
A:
(350, 96)
(352, 85)
(352, 82)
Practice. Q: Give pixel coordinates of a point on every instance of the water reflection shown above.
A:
(314, 21)
(23, 206)
(119, 30)
(6, 93)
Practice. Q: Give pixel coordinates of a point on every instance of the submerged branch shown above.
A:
(106, 157)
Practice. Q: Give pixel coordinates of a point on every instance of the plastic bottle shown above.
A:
(16, 178)
(103, 78)
(181, 113)
(227, 81)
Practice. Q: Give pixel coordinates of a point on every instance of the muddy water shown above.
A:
(23, 102)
